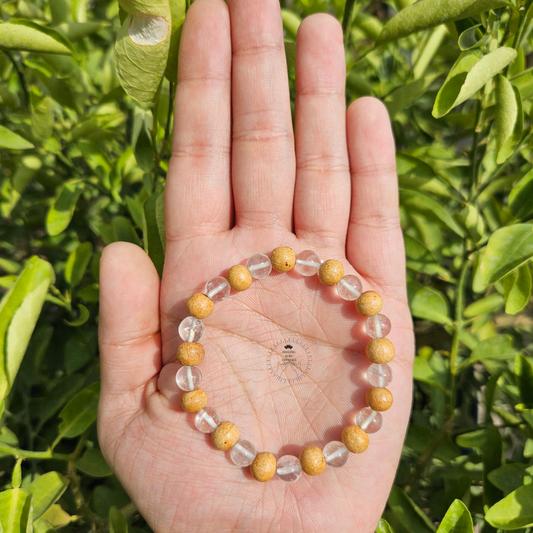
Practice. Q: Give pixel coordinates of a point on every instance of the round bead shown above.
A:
(336, 454)
(307, 263)
(349, 288)
(217, 288)
(188, 378)
(312, 460)
(370, 421)
(379, 399)
(264, 466)
(355, 439)
(331, 272)
(191, 329)
(207, 419)
(369, 303)
(259, 266)
(380, 350)
(243, 453)
(283, 259)
(190, 353)
(194, 400)
(225, 436)
(378, 326)
(289, 468)
(239, 278)
(379, 375)
(200, 306)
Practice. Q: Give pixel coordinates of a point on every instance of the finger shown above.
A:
(375, 241)
(322, 193)
(198, 190)
(130, 348)
(263, 146)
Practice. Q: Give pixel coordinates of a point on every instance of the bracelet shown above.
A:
(225, 434)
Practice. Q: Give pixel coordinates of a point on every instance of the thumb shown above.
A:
(129, 331)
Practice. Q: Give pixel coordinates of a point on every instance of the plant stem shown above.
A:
(27, 454)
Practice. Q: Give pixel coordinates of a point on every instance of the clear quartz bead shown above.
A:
(377, 326)
(379, 375)
(307, 263)
(368, 420)
(259, 266)
(217, 289)
(349, 288)
(191, 329)
(289, 468)
(207, 419)
(336, 454)
(243, 453)
(188, 378)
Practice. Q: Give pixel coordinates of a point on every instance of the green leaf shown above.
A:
(125, 231)
(142, 141)
(405, 95)
(93, 464)
(457, 519)
(12, 141)
(515, 511)
(154, 235)
(16, 511)
(19, 310)
(524, 379)
(42, 119)
(291, 22)
(511, 476)
(509, 118)
(473, 37)
(520, 197)
(473, 222)
(62, 210)
(408, 513)
(422, 371)
(507, 249)
(80, 412)
(517, 287)
(20, 34)
(428, 303)
(117, 521)
(56, 517)
(83, 316)
(142, 48)
(74, 31)
(494, 348)
(383, 527)
(178, 9)
(425, 205)
(486, 305)
(472, 439)
(77, 263)
(469, 74)
(430, 13)
(46, 490)
(79, 349)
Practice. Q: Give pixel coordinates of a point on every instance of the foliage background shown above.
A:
(82, 164)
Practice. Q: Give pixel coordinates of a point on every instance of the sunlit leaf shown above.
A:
(12, 141)
(515, 511)
(46, 490)
(457, 519)
(61, 212)
(517, 287)
(21, 34)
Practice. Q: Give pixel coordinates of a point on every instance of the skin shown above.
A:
(241, 182)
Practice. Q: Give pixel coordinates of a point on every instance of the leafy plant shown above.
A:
(84, 147)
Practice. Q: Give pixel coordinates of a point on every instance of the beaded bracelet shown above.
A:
(225, 434)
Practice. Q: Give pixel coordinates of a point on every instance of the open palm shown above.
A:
(241, 183)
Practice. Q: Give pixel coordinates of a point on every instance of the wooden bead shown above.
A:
(190, 353)
(264, 466)
(355, 439)
(200, 306)
(225, 436)
(380, 351)
(369, 303)
(194, 400)
(312, 460)
(239, 278)
(379, 399)
(283, 259)
(331, 272)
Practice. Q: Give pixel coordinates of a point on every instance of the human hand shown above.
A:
(240, 183)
